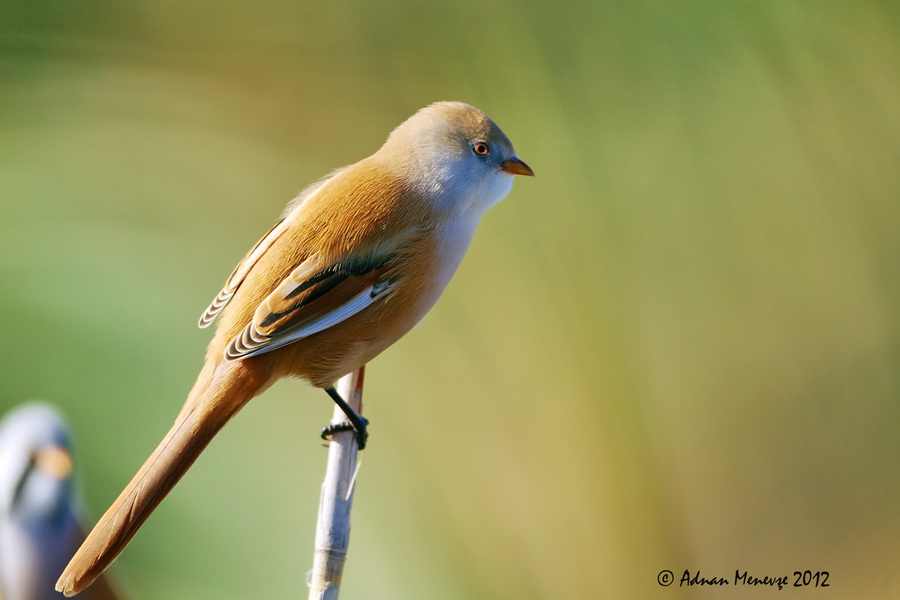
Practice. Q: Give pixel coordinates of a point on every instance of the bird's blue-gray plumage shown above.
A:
(39, 517)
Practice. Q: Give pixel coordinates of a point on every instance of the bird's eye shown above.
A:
(480, 148)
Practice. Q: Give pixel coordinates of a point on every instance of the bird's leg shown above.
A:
(355, 421)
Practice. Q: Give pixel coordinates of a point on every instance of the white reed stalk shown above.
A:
(333, 526)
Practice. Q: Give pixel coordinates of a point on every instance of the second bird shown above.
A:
(356, 260)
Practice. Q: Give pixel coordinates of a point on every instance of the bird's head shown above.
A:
(456, 155)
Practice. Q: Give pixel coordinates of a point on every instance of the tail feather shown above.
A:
(220, 392)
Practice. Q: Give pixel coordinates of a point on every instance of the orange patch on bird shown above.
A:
(55, 461)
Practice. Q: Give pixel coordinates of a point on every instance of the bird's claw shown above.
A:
(361, 434)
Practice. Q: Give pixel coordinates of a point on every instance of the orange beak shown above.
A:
(516, 167)
(54, 461)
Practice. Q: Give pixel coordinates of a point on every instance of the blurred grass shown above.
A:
(677, 347)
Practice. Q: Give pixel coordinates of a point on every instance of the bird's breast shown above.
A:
(451, 241)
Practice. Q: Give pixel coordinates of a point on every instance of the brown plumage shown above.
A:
(356, 261)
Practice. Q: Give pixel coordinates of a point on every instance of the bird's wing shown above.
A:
(314, 297)
(240, 272)
(249, 261)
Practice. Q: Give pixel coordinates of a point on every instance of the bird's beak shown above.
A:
(516, 167)
(55, 461)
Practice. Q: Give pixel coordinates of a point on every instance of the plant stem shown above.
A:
(333, 525)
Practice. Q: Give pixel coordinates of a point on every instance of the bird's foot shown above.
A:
(361, 431)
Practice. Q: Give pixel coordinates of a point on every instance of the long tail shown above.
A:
(220, 392)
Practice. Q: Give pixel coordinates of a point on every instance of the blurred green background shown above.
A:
(678, 347)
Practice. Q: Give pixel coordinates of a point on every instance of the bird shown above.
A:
(40, 517)
(356, 260)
